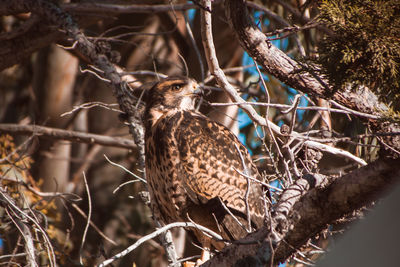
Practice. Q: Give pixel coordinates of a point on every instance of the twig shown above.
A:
(26, 234)
(286, 147)
(283, 106)
(299, 16)
(88, 218)
(87, 161)
(272, 15)
(70, 47)
(98, 76)
(76, 207)
(50, 251)
(293, 109)
(91, 105)
(335, 151)
(290, 30)
(188, 258)
(313, 143)
(12, 255)
(195, 47)
(246, 171)
(125, 169)
(158, 232)
(123, 184)
(267, 111)
(233, 216)
(258, 181)
(16, 150)
(354, 112)
(219, 75)
(303, 262)
(227, 70)
(144, 73)
(169, 246)
(39, 193)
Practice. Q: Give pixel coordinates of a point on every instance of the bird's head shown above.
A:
(173, 92)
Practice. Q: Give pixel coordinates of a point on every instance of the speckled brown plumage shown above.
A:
(192, 165)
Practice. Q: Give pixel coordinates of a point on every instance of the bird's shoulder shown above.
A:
(197, 137)
(194, 125)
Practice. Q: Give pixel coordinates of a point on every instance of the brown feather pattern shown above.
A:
(192, 163)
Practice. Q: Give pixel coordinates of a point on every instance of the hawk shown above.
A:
(197, 170)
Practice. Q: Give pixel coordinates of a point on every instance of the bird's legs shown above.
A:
(205, 255)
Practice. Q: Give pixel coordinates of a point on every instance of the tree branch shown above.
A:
(112, 9)
(54, 133)
(289, 71)
(213, 65)
(300, 76)
(312, 213)
(344, 195)
(122, 91)
(270, 57)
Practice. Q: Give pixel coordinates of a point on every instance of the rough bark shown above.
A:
(312, 213)
(300, 76)
(270, 57)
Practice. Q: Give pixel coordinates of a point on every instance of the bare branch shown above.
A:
(54, 133)
(219, 75)
(213, 65)
(26, 234)
(247, 173)
(343, 109)
(158, 232)
(80, 211)
(90, 105)
(270, 57)
(88, 219)
(125, 169)
(12, 206)
(335, 151)
(114, 9)
(300, 76)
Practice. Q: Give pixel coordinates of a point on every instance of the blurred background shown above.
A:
(47, 85)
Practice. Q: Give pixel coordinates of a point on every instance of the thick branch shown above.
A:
(270, 57)
(324, 206)
(213, 65)
(315, 210)
(289, 71)
(54, 133)
(300, 76)
(127, 102)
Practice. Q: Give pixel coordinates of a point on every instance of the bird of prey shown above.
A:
(197, 170)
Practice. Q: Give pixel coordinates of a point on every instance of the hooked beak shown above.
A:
(198, 91)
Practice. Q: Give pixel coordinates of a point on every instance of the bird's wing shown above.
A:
(212, 160)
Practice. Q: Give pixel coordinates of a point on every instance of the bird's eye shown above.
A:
(176, 87)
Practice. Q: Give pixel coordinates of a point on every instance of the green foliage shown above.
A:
(364, 48)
